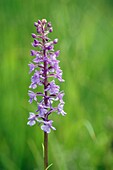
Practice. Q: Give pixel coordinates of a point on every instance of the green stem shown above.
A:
(45, 150)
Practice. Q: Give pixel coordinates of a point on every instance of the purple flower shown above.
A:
(51, 29)
(47, 126)
(50, 47)
(49, 24)
(38, 59)
(34, 35)
(60, 109)
(53, 59)
(35, 24)
(57, 53)
(55, 41)
(35, 43)
(42, 110)
(32, 86)
(46, 70)
(32, 67)
(32, 119)
(36, 78)
(44, 21)
(32, 96)
(39, 29)
(59, 74)
(60, 97)
(33, 52)
(39, 22)
(53, 88)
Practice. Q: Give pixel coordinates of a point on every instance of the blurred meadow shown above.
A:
(84, 138)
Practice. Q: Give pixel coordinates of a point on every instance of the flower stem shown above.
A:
(46, 116)
(45, 150)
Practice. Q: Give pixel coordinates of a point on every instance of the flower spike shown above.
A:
(45, 70)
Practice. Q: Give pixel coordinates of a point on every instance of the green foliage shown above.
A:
(84, 138)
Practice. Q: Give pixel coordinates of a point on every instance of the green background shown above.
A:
(84, 137)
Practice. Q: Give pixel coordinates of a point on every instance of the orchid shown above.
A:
(44, 70)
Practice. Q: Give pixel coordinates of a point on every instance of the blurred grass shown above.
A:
(84, 138)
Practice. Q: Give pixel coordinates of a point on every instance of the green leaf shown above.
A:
(90, 129)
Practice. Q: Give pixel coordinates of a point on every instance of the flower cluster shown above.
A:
(45, 69)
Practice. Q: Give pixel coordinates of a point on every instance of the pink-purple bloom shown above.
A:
(47, 126)
(32, 96)
(45, 70)
(31, 66)
(52, 88)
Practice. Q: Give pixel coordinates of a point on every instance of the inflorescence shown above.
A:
(45, 68)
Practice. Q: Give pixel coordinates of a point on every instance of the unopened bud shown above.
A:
(44, 21)
(49, 24)
(50, 47)
(36, 41)
(55, 41)
(35, 24)
(39, 22)
(33, 35)
(51, 29)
